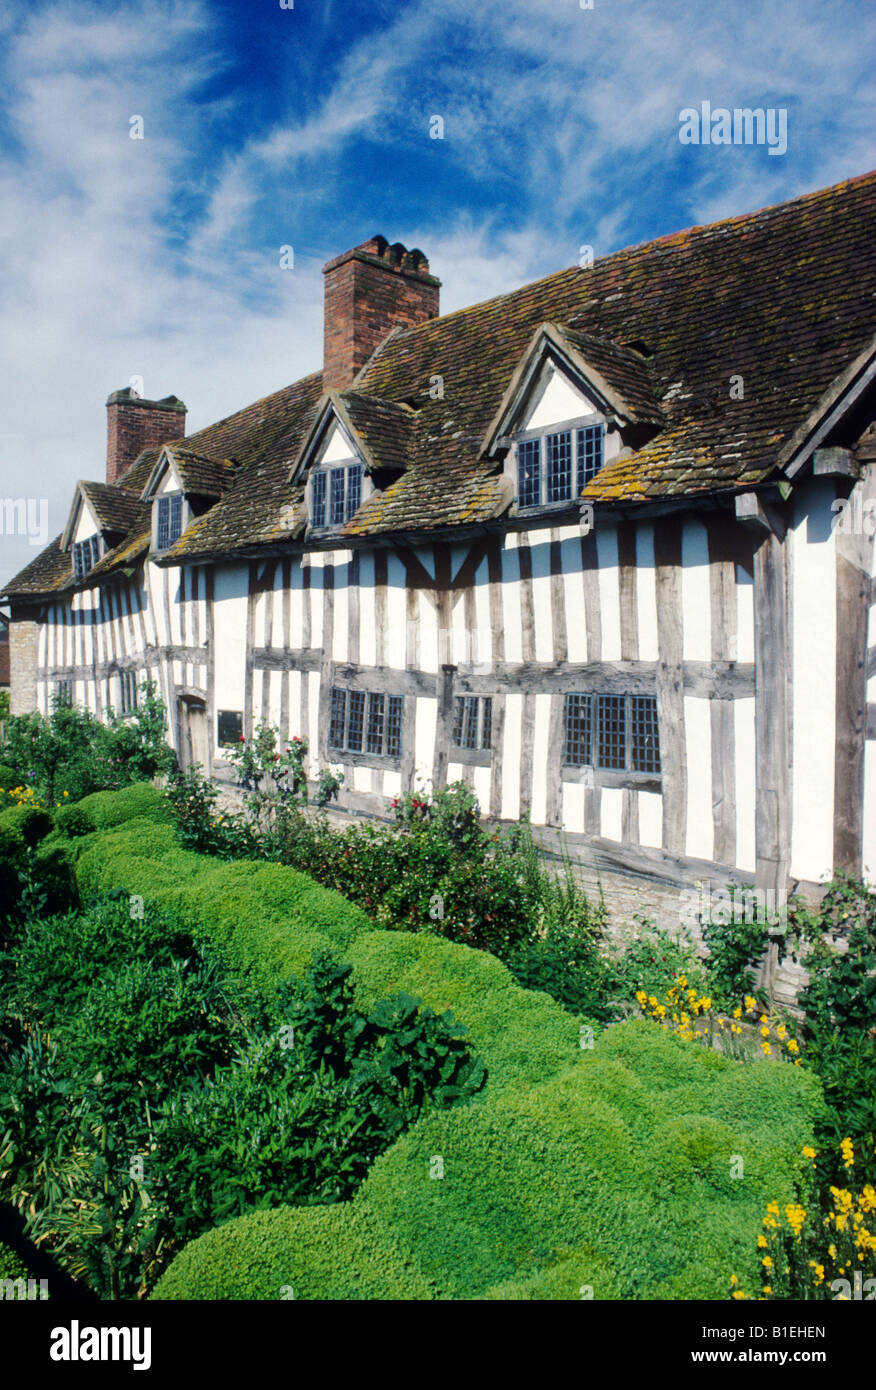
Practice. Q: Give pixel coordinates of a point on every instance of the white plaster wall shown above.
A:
(229, 616)
(609, 591)
(511, 757)
(695, 592)
(746, 783)
(700, 837)
(612, 814)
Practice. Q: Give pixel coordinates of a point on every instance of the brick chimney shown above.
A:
(368, 291)
(134, 424)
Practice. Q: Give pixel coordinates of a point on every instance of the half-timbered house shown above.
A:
(601, 547)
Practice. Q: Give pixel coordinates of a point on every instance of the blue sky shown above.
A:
(310, 127)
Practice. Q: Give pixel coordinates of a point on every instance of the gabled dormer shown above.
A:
(574, 403)
(356, 446)
(183, 484)
(100, 517)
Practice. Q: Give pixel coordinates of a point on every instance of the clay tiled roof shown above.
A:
(784, 299)
(203, 476)
(116, 508)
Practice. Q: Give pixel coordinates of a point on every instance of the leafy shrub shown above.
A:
(140, 800)
(838, 942)
(651, 960)
(11, 1267)
(71, 753)
(517, 1214)
(736, 938)
(316, 1253)
(74, 820)
(27, 824)
(9, 778)
(127, 1048)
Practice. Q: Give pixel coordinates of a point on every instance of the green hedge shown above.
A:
(11, 1267)
(614, 1168)
(337, 1253)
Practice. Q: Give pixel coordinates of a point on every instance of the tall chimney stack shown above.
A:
(368, 292)
(134, 424)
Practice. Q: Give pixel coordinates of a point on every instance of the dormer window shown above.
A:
(170, 520)
(85, 556)
(554, 467)
(336, 495)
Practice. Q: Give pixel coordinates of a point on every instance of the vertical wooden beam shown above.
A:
(353, 617)
(592, 609)
(670, 682)
(772, 717)
(724, 539)
(556, 733)
(381, 571)
(558, 607)
(854, 565)
(210, 638)
(285, 677)
(444, 725)
(497, 631)
(249, 672)
(629, 617)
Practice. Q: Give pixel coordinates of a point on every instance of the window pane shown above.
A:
(559, 466)
(355, 720)
(529, 472)
(394, 726)
(229, 727)
(376, 716)
(645, 734)
(318, 500)
(175, 518)
(579, 729)
(354, 490)
(163, 522)
(487, 722)
(589, 454)
(458, 719)
(612, 730)
(336, 722)
(336, 496)
(470, 726)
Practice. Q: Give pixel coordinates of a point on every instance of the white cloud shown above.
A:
(122, 257)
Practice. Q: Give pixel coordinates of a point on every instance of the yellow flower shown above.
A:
(767, 1261)
(764, 1032)
(808, 1152)
(767, 1289)
(737, 1013)
(737, 1293)
(762, 1242)
(831, 1250)
(750, 1003)
(641, 996)
(765, 1048)
(792, 1045)
(706, 1003)
(819, 1272)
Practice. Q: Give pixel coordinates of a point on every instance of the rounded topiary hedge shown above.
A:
(638, 1168)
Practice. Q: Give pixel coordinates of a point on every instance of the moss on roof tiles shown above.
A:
(784, 298)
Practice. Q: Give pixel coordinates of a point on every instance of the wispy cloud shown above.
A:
(160, 257)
